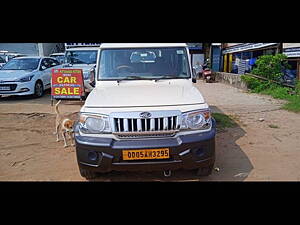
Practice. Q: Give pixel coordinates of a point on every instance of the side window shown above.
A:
(43, 64)
(53, 62)
(46, 63)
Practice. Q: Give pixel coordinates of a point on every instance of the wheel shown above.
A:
(38, 89)
(205, 171)
(87, 174)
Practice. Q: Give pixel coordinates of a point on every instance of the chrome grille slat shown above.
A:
(165, 123)
(139, 125)
(119, 125)
(152, 124)
(126, 127)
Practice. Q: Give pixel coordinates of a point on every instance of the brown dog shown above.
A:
(64, 126)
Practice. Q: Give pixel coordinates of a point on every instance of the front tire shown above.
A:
(205, 171)
(38, 89)
(87, 174)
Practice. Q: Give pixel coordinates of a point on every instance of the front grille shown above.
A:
(130, 125)
(11, 86)
(142, 125)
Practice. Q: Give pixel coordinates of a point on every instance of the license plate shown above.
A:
(5, 88)
(162, 153)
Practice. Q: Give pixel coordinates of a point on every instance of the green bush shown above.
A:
(256, 85)
(297, 87)
(271, 66)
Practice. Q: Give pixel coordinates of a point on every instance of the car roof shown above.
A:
(142, 45)
(33, 57)
(82, 49)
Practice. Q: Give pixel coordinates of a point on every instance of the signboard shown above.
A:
(216, 58)
(292, 52)
(247, 46)
(70, 45)
(67, 84)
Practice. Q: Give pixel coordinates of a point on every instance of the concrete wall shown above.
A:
(231, 79)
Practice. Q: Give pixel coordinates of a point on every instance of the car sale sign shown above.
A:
(67, 84)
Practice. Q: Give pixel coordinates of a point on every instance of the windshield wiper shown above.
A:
(136, 77)
(166, 77)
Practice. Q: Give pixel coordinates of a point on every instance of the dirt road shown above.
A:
(254, 150)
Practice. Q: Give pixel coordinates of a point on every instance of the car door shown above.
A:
(46, 72)
(53, 64)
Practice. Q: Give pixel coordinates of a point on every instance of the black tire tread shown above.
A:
(89, 175)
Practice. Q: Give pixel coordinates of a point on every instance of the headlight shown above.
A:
(25, 79)
(94, 124)
(196, 120)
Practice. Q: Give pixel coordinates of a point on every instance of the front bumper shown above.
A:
(19, 88)
(186, 151)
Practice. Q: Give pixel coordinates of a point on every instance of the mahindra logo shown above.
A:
(145, 115)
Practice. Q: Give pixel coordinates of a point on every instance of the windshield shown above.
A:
(81, 57)
(2, 60)
(144, 63)
(60, 58)
(22, 64)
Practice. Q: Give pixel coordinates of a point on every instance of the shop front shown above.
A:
(241, 58)
(196, 53)
(292, 51)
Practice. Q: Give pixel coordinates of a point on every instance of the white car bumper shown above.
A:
(17, 88)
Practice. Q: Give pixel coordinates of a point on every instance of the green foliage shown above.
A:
(276, 91)
(273, 126)
(223, 120)
(297, 87)
(293, 104)
(271, 66)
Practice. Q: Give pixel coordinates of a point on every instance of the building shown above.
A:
(36, 49)
(216, 57)
(197, 53)
(240, 57)
(292, 51)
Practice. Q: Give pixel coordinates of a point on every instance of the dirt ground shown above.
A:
(255, 150)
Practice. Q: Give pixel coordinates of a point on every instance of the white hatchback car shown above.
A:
(27, 76)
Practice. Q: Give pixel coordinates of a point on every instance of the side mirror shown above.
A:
(194, 76)
(43, 68)
(92, 77)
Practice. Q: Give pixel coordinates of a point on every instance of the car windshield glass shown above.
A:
(22, 64)
(60, 58)
(144, 63)
(2, 60)
(81, 57)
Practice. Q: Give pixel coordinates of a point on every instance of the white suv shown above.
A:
(144, 113)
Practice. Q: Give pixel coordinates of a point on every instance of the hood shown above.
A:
(144, 93)
(11, 75)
